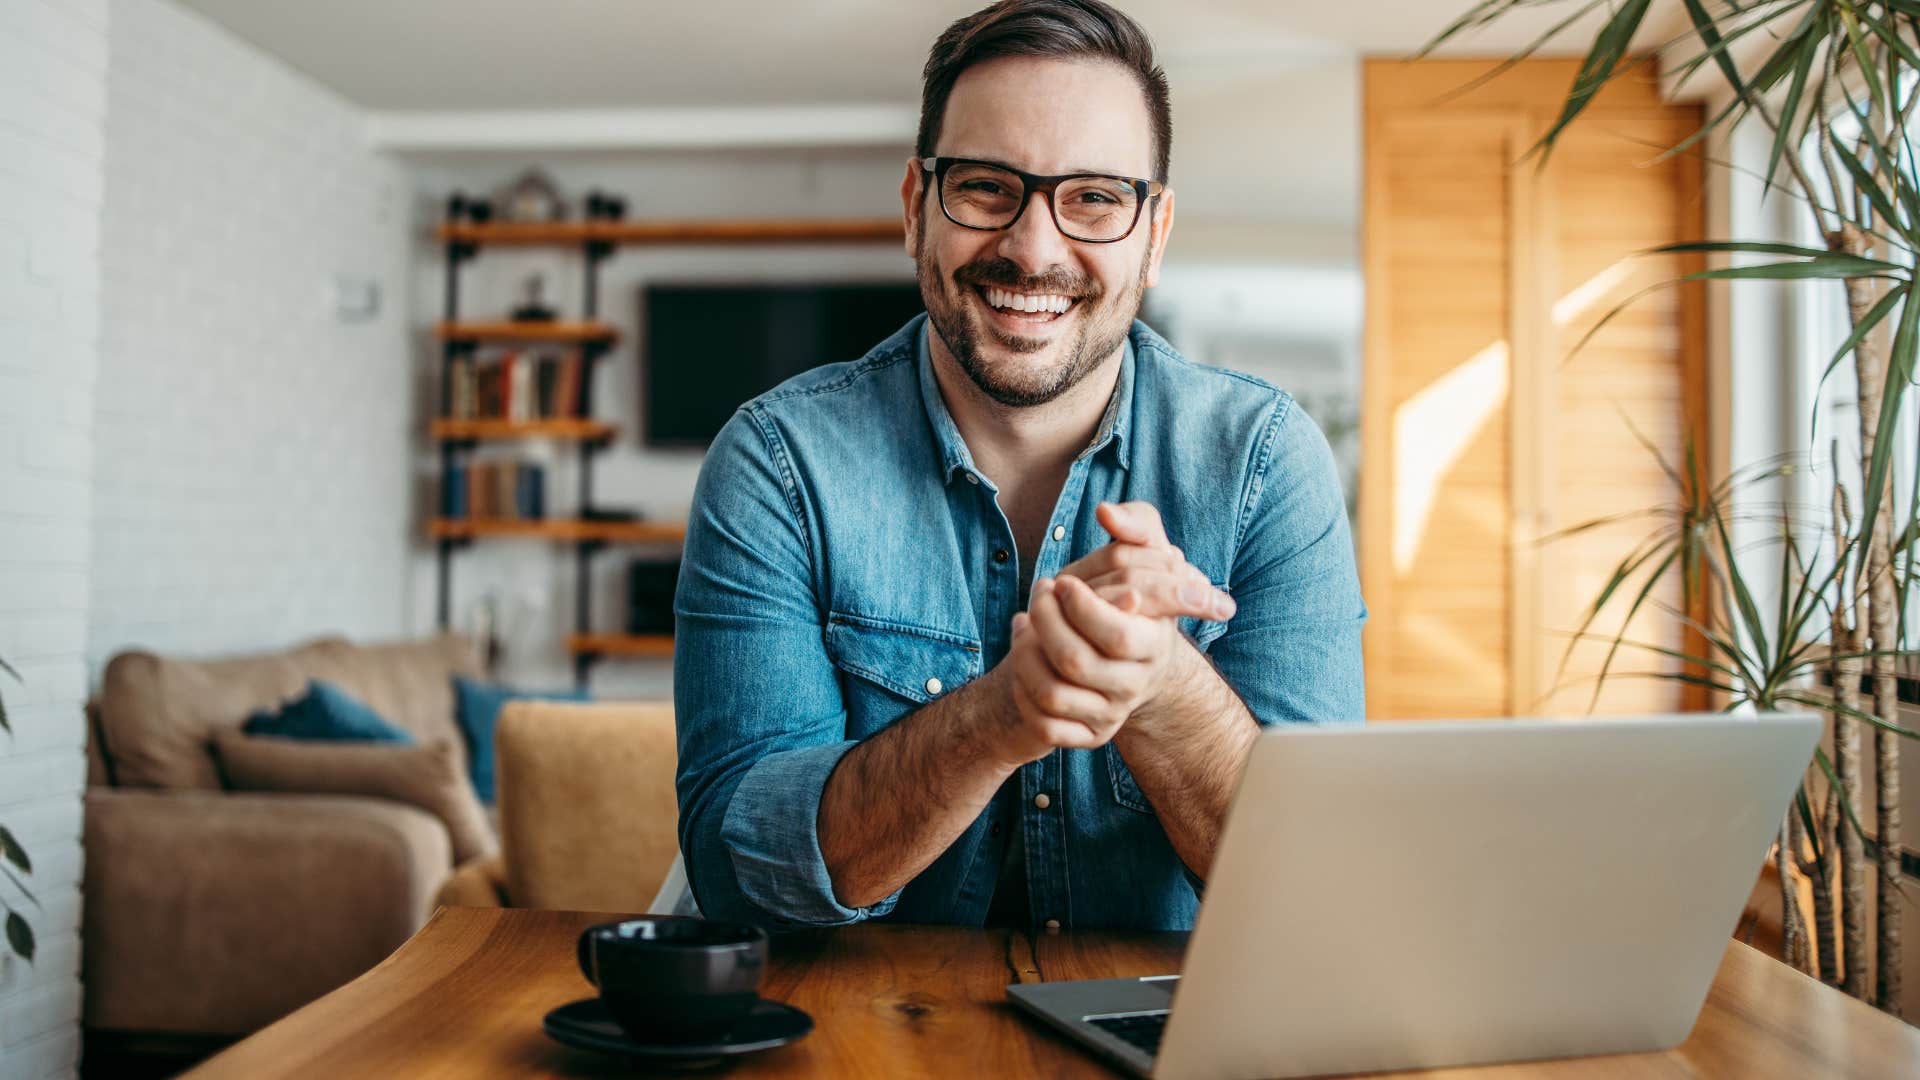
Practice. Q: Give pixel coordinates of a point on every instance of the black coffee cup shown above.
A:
(672, 979)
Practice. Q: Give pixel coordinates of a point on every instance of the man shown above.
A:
(938, 658)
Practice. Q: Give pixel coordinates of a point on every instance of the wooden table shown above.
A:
(464, 998)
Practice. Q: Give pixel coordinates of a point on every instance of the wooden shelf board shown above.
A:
(559, 428)
(621, 644)
(510, 330)
(719, 231)
(619, 532)
(514, 232)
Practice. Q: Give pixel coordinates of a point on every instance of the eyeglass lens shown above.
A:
(1086, 207)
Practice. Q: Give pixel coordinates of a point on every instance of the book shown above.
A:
(546, 378)
(460, 384)
(528, 490)
(453, 493)
(570, 386)
(521, 390)
(508, 362)
(476, 475)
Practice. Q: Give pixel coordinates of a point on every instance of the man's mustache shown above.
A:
(1006, 274)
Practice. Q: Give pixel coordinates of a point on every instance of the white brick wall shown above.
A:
(251, 486)
(53, 63)
(195, 454)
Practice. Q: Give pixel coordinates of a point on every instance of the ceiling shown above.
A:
(503, 54)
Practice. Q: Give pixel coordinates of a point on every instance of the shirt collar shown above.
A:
(954, 455)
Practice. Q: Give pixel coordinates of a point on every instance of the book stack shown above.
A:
(495, 490)
(515, 385)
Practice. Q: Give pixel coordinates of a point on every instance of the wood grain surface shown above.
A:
(465, 996)
(1483, 429)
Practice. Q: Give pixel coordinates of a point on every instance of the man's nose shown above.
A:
(1034, 242)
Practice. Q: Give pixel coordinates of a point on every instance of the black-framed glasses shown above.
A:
(1090, 207)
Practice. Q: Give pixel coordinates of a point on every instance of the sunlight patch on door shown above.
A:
(1430, 433)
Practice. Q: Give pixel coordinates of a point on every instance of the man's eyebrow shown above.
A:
(990, 160)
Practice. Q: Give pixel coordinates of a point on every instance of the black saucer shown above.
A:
(587, 1024)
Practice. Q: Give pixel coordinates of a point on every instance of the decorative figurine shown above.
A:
(535, 309)
(533, 197)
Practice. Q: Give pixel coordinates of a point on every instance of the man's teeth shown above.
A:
(1003, 298)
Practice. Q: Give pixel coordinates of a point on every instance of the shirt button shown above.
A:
(1059, 532)
(995, 831)
(1053, 924)
(1042, 801)
(933, 686)
(1000, 555)
(972, 479)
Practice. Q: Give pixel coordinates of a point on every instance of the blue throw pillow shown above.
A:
(478, 708)
(325, 712)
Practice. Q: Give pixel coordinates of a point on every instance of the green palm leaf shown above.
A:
(1900, 371)
(20, 936)
(11, 850)
(1600, 66)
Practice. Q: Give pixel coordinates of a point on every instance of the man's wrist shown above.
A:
(987, 721)
(1182, 691)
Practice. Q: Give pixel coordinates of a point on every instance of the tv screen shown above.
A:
(707, 348)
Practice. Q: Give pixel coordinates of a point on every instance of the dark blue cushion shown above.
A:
(478, 708)
(325, 712)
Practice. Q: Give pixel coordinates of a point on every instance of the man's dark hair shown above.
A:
(1061, 29)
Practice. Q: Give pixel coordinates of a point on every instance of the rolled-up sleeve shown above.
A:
(757, 702)
(1292, 649)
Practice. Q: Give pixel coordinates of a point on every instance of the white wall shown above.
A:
(250, 482)
(53, 62)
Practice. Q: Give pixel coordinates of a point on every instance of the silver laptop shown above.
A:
(1416, 895)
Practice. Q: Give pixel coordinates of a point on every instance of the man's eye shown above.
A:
(1098, 197)
(982, 187)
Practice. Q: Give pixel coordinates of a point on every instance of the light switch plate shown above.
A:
(356, 298)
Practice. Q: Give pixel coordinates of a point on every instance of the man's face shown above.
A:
(1046, 117)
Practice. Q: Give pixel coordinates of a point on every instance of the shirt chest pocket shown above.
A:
(887, 670)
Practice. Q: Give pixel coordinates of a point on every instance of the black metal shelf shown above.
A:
(593, 340)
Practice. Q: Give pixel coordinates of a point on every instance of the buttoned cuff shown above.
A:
(771, 830)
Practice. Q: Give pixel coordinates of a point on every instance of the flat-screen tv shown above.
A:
(707, 348)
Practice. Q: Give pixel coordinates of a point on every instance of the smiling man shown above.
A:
(938, 657)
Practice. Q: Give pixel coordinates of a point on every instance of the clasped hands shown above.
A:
(1099, 641)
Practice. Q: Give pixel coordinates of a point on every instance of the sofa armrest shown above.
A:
(479, 882)
(219, 913)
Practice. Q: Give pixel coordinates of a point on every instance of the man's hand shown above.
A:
(1099, 642)
(1079, 667)
(1142, 562)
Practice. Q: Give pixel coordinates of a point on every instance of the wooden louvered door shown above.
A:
(1482, 430)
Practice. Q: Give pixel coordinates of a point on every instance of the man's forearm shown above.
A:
(901, 798)
(1187, 753)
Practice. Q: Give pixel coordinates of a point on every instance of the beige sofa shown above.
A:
(213, 912)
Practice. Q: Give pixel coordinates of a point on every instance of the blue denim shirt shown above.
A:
(839, 574)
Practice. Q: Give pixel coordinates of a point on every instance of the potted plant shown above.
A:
(19, 933)
(1835, 83)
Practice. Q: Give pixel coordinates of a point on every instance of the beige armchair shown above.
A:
(588, 816)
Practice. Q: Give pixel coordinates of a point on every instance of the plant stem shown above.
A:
(1846, 757)
(1829, 934)
(1813, 866)
(1793, 934)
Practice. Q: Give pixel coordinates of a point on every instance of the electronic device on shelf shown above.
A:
(705, 348)
(650, 586)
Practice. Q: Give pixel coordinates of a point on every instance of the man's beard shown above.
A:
(1013, 384)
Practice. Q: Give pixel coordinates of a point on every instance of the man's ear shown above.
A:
(911, 202)
(1161, 229)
